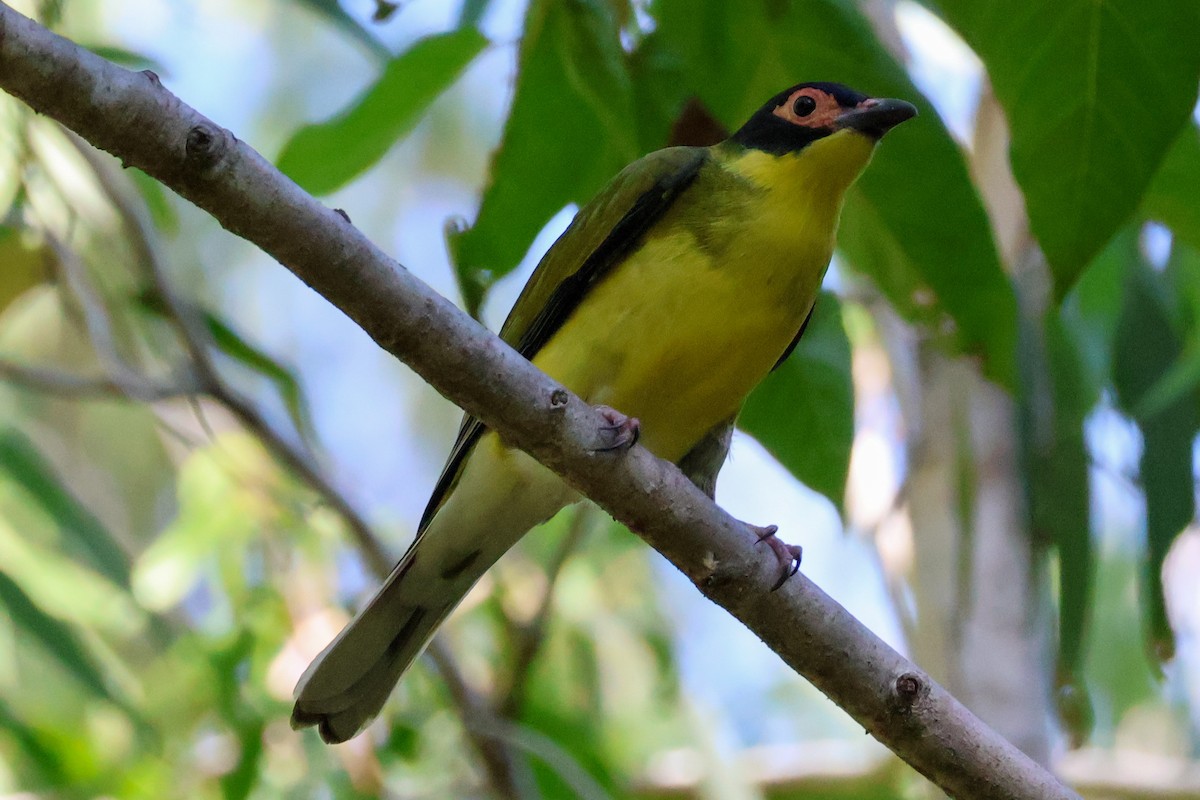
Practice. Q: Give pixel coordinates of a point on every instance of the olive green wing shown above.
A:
(602, 235)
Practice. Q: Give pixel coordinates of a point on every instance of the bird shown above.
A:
(671, 294)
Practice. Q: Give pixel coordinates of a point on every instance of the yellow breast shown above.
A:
(681, 332)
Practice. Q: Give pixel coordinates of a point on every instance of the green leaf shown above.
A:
(472, 12)
(803, 413)
(1092, 308)
(233, 345)
(913, 223)
(569, 131)
(38, 752)
(157, 200)
(1095, 92)
(56, 637)
(1058, 395)
(1171, 198)
(126, 58)
(332, 11)
(225, 500)
(1147, 344)
(660, 91)
(325, 156)
(1181, 379)
(23, 266)
(82, 533)
(241, 780)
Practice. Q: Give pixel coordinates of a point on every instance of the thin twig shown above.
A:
(548, 751)
(83, 387)
(96, 320)
(474, 709)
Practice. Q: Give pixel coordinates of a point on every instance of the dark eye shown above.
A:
(804, 106)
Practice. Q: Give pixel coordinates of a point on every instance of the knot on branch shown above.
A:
(908, 689)
(205, 146)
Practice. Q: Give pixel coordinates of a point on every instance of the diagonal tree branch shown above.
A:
(132, 116)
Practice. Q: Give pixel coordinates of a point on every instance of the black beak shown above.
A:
(876, 116)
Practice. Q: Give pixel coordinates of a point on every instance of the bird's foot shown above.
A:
(788, 555)
(619, 433)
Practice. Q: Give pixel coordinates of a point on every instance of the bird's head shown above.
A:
(809, 112)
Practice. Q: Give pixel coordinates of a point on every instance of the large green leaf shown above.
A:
(1147, 344)
(803, 413)
(325, 156)
(914, 222)
(1095, 92)
(82, 535)
(1062, 382)
(1172, 196)
(570, 130)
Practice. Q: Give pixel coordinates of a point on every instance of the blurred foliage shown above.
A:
(388, 110)
(164, 577)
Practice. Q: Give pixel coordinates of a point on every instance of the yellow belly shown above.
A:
(684, 329)
(678, 341)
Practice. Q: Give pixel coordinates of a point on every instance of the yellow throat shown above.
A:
(680, 334)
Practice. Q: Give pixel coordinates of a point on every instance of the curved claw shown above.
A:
(788, 555)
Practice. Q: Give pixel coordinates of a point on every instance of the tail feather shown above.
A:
(500, 495)
(348, 683)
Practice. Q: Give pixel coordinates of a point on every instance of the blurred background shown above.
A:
(985, 442)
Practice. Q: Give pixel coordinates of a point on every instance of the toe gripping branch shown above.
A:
(788, 555)
(619, 431)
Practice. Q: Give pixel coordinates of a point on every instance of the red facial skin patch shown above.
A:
(822, 117)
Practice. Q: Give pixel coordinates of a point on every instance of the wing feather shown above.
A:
(591, 247)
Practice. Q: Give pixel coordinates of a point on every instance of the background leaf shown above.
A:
(803, 413)
(332, 11)
(325, 156)
(1171, 197)
(55, 637)
(570, 61)
(1095, 92)
(232, 344)
(40, 753)
(1057, 479)
(81, 532)
(1147, 344)
(23, 267)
